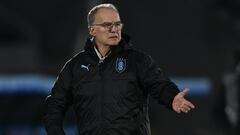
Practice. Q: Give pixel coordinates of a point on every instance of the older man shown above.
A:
(109, 83)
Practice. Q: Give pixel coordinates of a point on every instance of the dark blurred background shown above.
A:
(196, 42)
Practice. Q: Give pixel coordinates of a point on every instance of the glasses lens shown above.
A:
(109, 25)
(117, 25)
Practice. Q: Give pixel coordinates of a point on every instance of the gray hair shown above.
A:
(93, 11)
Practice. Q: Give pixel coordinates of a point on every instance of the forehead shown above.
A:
(106, 15)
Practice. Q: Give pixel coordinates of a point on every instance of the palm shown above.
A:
(180, 104)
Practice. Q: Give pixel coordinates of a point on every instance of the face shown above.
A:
(106, 28)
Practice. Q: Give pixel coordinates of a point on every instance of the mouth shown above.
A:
(113, 37)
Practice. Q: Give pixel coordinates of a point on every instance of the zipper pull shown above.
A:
(100, 62)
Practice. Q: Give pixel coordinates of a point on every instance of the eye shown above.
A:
(118, 24)
(107, 24)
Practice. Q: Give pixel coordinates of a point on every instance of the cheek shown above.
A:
(120, 36)
(103, 36)
(100, 35)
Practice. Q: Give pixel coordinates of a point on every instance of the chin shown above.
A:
(113, 43)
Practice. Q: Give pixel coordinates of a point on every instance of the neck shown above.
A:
(103, 49)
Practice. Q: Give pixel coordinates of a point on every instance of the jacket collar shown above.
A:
(124, 44)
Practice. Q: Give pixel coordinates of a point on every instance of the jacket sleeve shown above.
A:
(156, 84)
(58, 102)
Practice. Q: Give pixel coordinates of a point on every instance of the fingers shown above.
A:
(190, 104)
(184, 107)
(178, 110)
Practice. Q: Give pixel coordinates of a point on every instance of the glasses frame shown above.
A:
(109, 25)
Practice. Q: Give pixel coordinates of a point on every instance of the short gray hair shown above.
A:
(93, 11)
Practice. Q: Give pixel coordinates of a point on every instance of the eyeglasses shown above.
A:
(109, 25)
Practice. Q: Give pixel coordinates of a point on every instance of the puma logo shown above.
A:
(86, 67)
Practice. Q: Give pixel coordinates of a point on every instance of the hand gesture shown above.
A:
(180, 104)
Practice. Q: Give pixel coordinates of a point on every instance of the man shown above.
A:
(109, 83)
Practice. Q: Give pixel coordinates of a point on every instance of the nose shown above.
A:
(113, 28)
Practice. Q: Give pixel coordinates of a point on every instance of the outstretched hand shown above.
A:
(180, 104)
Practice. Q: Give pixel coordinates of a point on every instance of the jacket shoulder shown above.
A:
(76, 58)
(138, 54)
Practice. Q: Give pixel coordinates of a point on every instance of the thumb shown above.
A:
(185, 91)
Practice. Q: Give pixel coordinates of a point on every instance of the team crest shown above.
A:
(120, 65)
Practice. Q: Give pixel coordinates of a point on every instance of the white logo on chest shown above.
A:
(86, 67)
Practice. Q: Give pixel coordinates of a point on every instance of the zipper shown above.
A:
(101, 73)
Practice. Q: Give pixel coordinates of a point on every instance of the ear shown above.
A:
(91, 31)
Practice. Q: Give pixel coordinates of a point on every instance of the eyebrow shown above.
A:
(113, 22)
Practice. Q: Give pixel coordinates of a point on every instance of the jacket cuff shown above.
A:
(168, 95)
